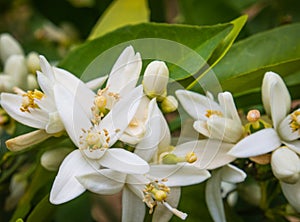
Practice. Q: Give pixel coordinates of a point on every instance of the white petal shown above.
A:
(103, 181)
(54, 124)
(179, 175)
(77, 88)
(124, 161)
(45, 84)
(9, 46)
(133, 208)
(65, 186)
(71, 113)
(295, 145)
(117, 120)
(285, 165)
(285, 131)
(96, 83)
(201, 127)
(276, 97)
(162, 214)
(125, 72)
(46, 68)
(196, 105)
(228, 106)
(258, 143)
(210, 154)
(149, 144)
(94, 154)
(232, 174)
(292, 194)
(224, 129)
(37, 118)
(213, 197)
(165, 142)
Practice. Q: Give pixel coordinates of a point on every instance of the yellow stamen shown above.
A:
(210, 112)
(191, 157)
(295, 121)
(28, 100)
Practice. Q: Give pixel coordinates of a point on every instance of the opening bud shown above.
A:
(169, 104)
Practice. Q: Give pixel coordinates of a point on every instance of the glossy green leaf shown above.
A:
(188, 47)
(242, 69)
(43, 211)
(222, 49)
(121, 13)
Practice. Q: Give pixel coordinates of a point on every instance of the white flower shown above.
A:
(93, 142)
(8, 47)
(163, 191)
(216, 121)
(155, 80)
(212, 155)
(285, 162)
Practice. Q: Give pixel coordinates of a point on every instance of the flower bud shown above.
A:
(6, 83)
(32, 82)
(156, 79)
(169, 104)
(15, 67)
(8, 47)
(52, 159)
(285, 165)
(33, 62)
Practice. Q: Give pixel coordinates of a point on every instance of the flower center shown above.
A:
(93, 139)
(155, 192)
(255, 123)
(28, 100)
(210, 113)
(295, 121)
(101, 101)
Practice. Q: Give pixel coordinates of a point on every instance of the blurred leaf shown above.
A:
(242, 69)
(42, 211)
(41, 178)
(121, 13)
(188, 47)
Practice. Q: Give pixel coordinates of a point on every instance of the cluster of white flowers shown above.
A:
(124, 142)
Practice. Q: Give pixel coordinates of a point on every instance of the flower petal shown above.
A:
(258, 143)
(228, 106)
(124, 161)
(210, 154)
(285, 131)
(196, 105)
(117, 120)
(104, 181)
(213, 197)
(125, 72)
(275, 97)
(133, 208)
(96, 83)
(37, 118)
(295, 145)
(161, 214)
(232, 174)
(65, 186)
(179, 175)
(47, 69)
(149, 144)
(292, 194)
(77, 88)
(71, 113)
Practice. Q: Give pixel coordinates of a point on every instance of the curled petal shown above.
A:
(232, 174)
(228, 106)
(124, 161)
(105, 181)
(196, 105)
(258, 143)
(292, 194)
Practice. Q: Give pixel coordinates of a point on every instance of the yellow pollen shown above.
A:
(133, 123)
(93, 139)
(253, 115)
(210, 113)
(295, 121)
(100, 102)
(28, 100)
(191, 157)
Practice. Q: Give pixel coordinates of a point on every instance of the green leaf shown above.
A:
(43, 211)
(222, 48)
(41, 178)
(121, 13)
(187, 47)
(242, 69)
